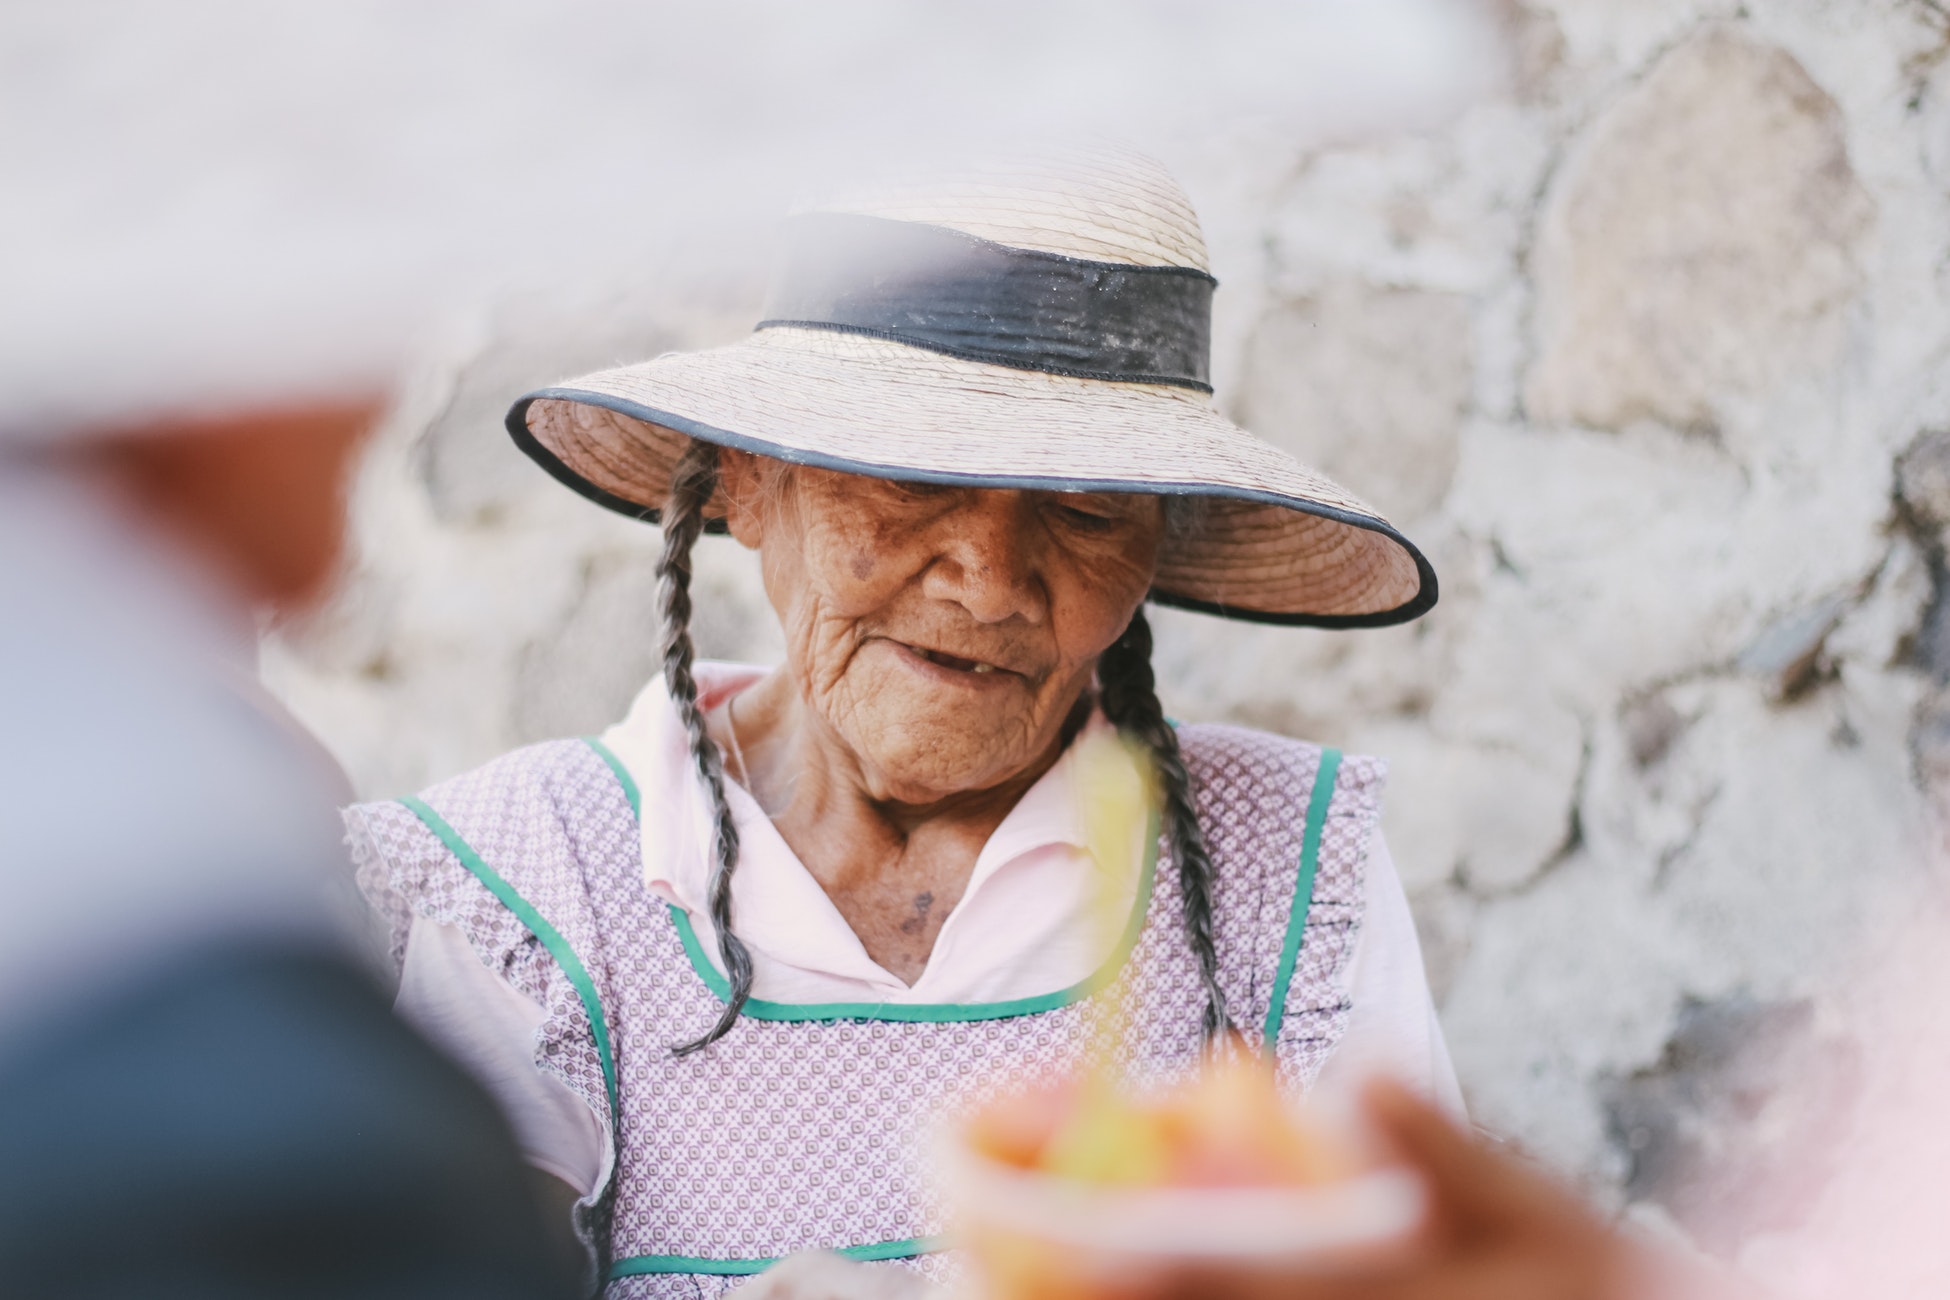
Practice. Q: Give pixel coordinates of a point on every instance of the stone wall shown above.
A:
(1649, 355)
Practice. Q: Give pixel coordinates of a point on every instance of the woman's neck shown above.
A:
(894, 870)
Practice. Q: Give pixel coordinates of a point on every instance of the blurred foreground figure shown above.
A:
(202, 1090)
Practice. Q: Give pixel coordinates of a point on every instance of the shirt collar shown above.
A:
(781, 909)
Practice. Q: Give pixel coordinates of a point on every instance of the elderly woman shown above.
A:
(726, 964)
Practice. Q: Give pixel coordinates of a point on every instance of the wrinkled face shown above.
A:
(942, 633)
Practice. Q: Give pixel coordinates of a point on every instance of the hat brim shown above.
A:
(1275, 543)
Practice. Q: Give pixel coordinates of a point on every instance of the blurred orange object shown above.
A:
(1080, 1189)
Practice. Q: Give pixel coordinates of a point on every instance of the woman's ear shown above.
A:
(741, 477)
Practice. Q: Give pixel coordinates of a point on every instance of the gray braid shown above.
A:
(691, 485)
(1127, 689)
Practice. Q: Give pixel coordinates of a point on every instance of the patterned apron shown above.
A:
(807, 1127)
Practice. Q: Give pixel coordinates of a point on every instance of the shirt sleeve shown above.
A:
(489, 1028)
(1392, 1026)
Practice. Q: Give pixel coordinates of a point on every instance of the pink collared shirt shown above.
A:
(1028, 923)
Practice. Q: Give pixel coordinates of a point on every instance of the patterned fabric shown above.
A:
(805, 1134)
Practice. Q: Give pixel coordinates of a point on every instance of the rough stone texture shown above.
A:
(1677, 739)
(1923, 480)
(1367, 385)
(1742, 1120)
(1699, 244)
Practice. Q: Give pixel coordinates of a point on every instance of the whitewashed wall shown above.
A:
(1650, 356)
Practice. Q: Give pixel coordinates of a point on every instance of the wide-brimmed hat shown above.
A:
(1039, 325)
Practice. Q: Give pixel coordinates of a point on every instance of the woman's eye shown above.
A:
(1088, 520)
(913, 491)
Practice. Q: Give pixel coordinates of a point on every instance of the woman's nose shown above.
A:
(987, 562)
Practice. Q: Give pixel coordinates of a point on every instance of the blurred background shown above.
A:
(1633, 313)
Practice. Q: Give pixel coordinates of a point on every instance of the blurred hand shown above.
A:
(1497, 1230)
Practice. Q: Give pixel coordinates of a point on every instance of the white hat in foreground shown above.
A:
(1042, 325)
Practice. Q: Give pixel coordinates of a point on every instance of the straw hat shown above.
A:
(1039, 324)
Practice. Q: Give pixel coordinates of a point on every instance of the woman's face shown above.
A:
(942, 633)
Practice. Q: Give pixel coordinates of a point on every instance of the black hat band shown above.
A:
(950, 292)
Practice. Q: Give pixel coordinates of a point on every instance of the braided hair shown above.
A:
(692, 483)
(1127, 692)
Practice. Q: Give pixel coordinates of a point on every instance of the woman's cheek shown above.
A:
(857, 571)
(821, 645)
(796, 601)
(1098, 599)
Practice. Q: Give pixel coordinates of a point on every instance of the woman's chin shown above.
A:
(923, 738)
(928, 761)
(906, 774)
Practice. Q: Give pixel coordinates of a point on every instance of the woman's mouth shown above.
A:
(954, 662)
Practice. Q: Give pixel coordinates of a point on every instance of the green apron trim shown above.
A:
(638, 1265)
(623, 777)
(935, 1012)
(1303, 889)
(538, 925)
